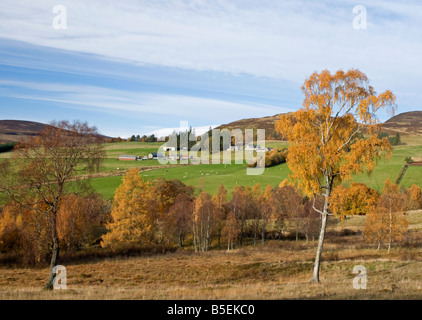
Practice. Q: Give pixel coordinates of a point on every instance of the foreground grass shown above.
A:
(277, 270)
(255, 273)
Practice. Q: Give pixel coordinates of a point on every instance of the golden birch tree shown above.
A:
(324, 147)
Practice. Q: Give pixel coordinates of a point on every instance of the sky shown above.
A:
(139, 66)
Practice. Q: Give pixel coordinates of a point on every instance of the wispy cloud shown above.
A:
(219, 45)
(139, 105)
(286, 39)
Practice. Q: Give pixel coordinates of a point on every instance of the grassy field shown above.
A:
(277, 270)
(209, 176)
(212, 175)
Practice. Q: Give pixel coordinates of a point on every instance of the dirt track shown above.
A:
(123, 172)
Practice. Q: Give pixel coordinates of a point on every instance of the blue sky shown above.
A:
(132, 67)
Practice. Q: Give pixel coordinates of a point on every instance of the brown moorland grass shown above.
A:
(278, 270)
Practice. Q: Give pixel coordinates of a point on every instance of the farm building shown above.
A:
(127, 158)
(154, 155)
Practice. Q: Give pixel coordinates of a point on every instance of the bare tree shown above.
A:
(44, 165)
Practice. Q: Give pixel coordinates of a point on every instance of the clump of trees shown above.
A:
(167, 211)
(144, 138)
(394, 140)
(386, 221)
(414, 196)
(275, 157)
(27, 231)
(6, 147)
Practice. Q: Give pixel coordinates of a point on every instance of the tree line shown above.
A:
(168, 212)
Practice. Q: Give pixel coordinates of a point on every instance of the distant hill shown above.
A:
(267, 123)
(406, 123)
(15, 130)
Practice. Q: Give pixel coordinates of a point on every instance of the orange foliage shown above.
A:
(77, 219)
(322, 145)
(355, 200)
(134, 210)
(386, 221)
(414, 195)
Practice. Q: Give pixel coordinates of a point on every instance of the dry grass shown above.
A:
(279, 270)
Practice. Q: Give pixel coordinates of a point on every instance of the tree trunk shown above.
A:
(53, 263)
(391, 230)
(263, 235)
(315, 276)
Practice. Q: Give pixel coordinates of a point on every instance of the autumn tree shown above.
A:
(293, 208)
(264, 202)
(26, 230)
(133, 213)
(278, 209)
(203, 220)
(44, 165)
(358, 199)
(324, 148)
(386, 221)
(166, 192)
(77, 219)
(178, 222)
(242, 207)
(414, 196)
(10, 223)
(220, 204)
(257, 208)
(231, 230)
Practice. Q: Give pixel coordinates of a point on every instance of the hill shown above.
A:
(407, 123)
(14, 130)
(267, 123)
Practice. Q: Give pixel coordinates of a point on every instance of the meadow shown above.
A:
(209, 176)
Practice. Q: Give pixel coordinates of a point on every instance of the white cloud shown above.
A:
(138, 105)
(286, 39)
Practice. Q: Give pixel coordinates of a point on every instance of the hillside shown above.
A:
(14, 130)
(407, 123)
(267, 123)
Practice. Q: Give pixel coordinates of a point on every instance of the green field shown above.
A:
(212, 175)
(114, 150)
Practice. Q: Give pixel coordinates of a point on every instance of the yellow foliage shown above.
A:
(356, 200)
(323, 144)
(414, 195)
(133, 212)
(386, 221)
